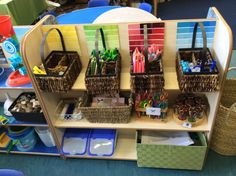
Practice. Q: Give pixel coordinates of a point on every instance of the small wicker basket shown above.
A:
(117, 114)
(103, 84)
(54, 82)
(153, 79)
(203, 81)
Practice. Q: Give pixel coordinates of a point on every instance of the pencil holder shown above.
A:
(146, 72)
(61, 68)
(103, 71)
(196, 69)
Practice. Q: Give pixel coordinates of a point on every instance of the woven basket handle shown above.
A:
(96, 45)
(204, 50)
(145, 33)
(43, 43)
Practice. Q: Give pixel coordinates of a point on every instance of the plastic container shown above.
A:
(25, 136)
(102, 142)
(32, 117)
(67, 109)
(45, 135)
(6, 28)
(75, 141)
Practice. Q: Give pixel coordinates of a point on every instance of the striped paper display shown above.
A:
(111, 33)
(155, 35)
(185, 34)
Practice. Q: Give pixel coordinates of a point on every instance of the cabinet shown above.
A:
(40, 148)
(75, 39)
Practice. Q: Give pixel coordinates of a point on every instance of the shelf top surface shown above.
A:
(143, 123)
(170, 77)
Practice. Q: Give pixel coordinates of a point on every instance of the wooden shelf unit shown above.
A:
(75, 40)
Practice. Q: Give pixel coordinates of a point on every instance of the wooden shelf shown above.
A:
(170, 77)
(125, 149)
(39, 149)
(143, 123)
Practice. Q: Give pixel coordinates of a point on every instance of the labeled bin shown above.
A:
(172, 156)
(45, 135)
(102, 142)
(75, 141)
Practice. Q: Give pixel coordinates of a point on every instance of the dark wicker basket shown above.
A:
(117, 114)
(52, 82)
(203, 81)
(153, 79)
(104, 84)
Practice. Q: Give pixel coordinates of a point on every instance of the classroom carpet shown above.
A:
(216, 165)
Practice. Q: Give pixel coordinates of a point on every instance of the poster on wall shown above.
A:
(3, 59)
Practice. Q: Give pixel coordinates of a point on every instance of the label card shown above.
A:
(187, 125)
(153, 111)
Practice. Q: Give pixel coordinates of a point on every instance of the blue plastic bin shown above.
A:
(75, 141)
(102, 142)
(25, 136)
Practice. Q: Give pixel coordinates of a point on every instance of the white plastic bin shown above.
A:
(45, 136)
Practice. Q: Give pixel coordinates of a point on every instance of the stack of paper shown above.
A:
(166, 138)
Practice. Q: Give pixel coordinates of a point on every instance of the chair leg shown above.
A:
(155, 4)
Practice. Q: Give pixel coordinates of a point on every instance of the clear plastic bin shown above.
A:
(75, 141)
(67, 109)
(46, 136)
(102, 142)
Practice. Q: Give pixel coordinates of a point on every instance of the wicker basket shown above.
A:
(223, 137)
(153, 79)
(103, 84)
(203, 81)
(117, 114)
(53, 82)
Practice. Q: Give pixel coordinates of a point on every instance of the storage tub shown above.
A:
(45, 135)
(33, 117)
(171, 156)
(75, 141)
(102, 142)
(25, 136)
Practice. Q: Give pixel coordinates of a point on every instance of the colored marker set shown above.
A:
(138, 58)
(191, 67)
(100, 59)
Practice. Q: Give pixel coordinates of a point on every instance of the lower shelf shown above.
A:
(144, 123)
(39, 149)
(125, 149)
